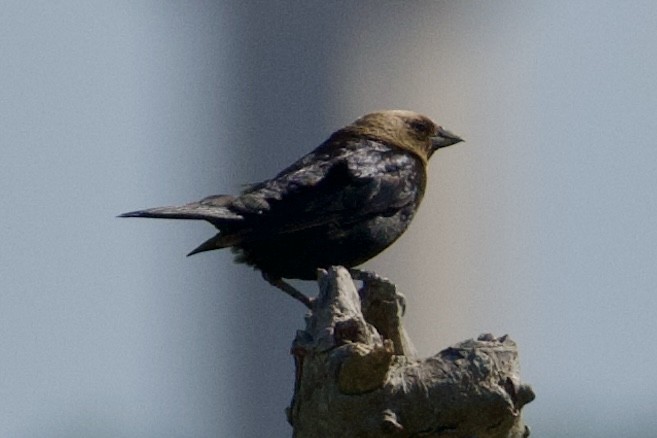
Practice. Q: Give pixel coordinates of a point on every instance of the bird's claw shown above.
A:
(370, 277)
(372, 280)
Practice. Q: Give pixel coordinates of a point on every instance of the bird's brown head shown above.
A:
(405, 129)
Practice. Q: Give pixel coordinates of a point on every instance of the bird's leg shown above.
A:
(288, 289)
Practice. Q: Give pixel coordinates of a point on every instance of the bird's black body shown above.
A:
(341, 204)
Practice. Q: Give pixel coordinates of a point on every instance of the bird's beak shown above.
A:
(444, 138)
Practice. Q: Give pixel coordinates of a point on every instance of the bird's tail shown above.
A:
(213, 209)
(217, 242)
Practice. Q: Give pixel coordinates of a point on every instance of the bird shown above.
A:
(341, 204)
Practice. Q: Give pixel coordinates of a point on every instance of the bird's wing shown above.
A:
(345, 188)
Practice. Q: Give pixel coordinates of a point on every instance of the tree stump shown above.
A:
(357, 374)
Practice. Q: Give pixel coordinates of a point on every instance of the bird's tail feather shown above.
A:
(214, 209)
(217, 242)
(197, 211)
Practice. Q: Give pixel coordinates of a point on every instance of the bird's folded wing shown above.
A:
(342, 193)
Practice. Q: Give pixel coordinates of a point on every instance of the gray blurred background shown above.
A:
(542, 225)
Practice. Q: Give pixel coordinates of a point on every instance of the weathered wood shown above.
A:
(357, 374)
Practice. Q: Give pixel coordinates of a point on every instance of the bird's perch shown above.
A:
(357, 374)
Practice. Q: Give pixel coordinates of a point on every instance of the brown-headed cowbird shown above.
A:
(341, 204)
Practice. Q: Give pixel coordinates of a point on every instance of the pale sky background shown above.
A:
(541, 225)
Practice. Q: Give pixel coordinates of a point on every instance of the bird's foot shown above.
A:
(367, 276)
(371, 279)
(290, 290)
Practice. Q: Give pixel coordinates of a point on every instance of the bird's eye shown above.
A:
(420, 126)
